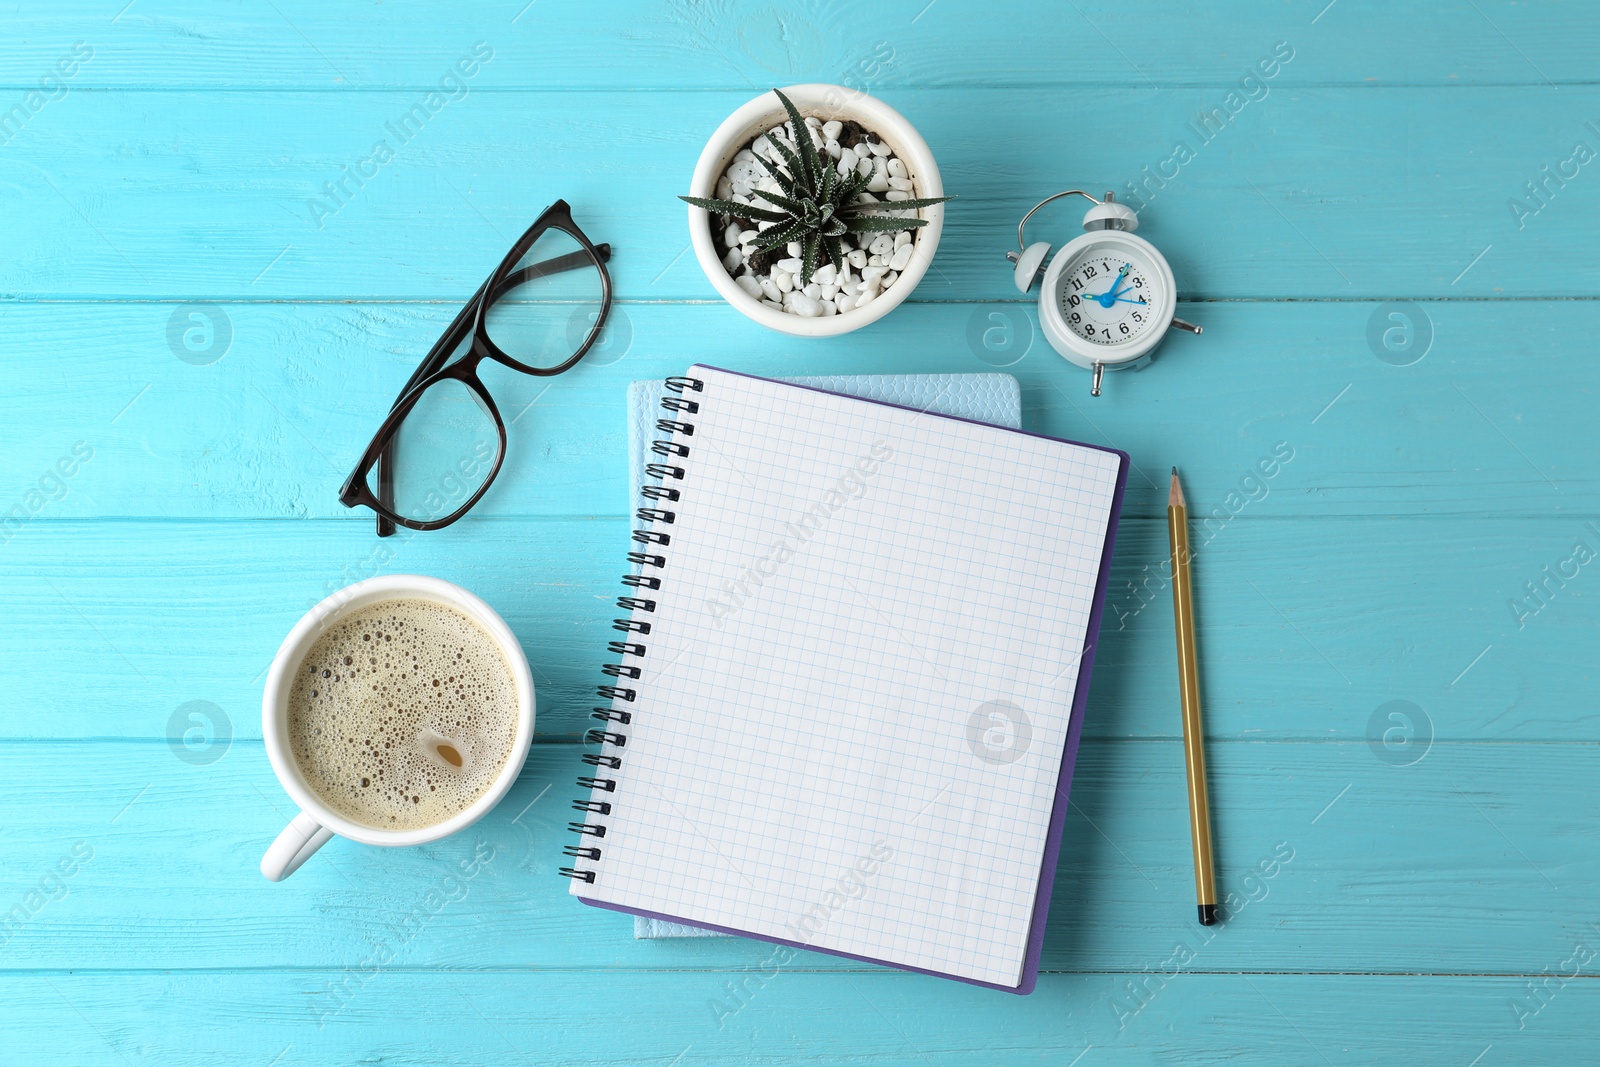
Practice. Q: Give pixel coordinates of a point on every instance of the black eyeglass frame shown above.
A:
(436, 367)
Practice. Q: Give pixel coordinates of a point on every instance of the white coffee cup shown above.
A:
(316, 822)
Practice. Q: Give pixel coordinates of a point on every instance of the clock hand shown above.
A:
(1109, 297)
(1123, 273)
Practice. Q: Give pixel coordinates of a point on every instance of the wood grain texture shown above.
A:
(686, 45)
(540, 1017)
(1388, 908)
(153, 614)
(272, 427)
(1330, 860)
(188, 200)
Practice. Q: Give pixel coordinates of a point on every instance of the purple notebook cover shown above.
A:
(1069, 753)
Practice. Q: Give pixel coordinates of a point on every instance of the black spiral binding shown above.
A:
(606, 736)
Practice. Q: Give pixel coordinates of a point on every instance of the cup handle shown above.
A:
(302, 837)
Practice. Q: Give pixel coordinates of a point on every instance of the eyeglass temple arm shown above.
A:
(442, 349)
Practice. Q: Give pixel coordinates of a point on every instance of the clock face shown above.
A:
(1108, 297)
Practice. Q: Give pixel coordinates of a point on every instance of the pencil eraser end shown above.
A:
(1208, 915)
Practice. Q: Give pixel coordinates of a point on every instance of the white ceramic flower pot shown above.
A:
(827, 102)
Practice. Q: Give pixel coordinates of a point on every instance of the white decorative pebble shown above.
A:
(873, 274)
(724, 188)
(793, 266)
(864, 165)
(827, 307)
(783, 280)
(748, 283)
(801, 304)
(773, 304)
(814, 291)
(880, 177)
(746, 172)
(770, 288)
(830, 291)
(833, 149)
(832, 130)
(848, 160)
(879, 149)
(890, 278)
(825, 275)
(865, 298)
(897, 194)
(899, 183)
(877, 261)
(744, 155)
(793, 248)
(747, 236)
(882, 245)
(902, 238)
(902, 256)
(730, 236)
(856, 258)
(897, 169)
(731, 261)
(762, 147)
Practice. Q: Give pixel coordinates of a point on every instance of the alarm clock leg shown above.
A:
(1099, 372)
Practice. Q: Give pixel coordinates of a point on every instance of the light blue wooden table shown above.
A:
(1413, 882)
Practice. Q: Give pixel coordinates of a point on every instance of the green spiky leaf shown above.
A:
(788, 204)
(881, 224)
(808, 262)
(780, 235)
(802, 142)
(835, 249)
(900, 205)
(730, 207)
(799, 185)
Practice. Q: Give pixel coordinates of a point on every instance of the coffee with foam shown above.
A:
(402, 714)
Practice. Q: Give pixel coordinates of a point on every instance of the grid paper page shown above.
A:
(859, 678)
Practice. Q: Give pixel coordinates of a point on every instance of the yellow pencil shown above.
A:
(1194, 753)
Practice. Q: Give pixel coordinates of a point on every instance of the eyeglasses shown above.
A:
(443, 441)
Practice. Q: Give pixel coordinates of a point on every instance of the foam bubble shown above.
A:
(402, 714)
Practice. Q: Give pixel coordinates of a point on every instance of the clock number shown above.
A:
(1076, 317)
(1074, 301)
(1077, 283)
(1088, 272)
(1122, 326)
(1138, 283)
(1137, 317)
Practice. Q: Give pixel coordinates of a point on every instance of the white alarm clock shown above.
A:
(1108, 297)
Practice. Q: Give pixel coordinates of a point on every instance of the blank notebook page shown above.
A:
(858, 680)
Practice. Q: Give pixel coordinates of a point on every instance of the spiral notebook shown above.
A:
(846, 698)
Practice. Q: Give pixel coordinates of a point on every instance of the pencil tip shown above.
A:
(1174, 472)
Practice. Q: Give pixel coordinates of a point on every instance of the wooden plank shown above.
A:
(272, 427)
(685, 45)
(1476, 859)
(791, 1017)
(224, 196)
(1306, 630)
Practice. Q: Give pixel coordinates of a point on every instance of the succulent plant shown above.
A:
(818, 206)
